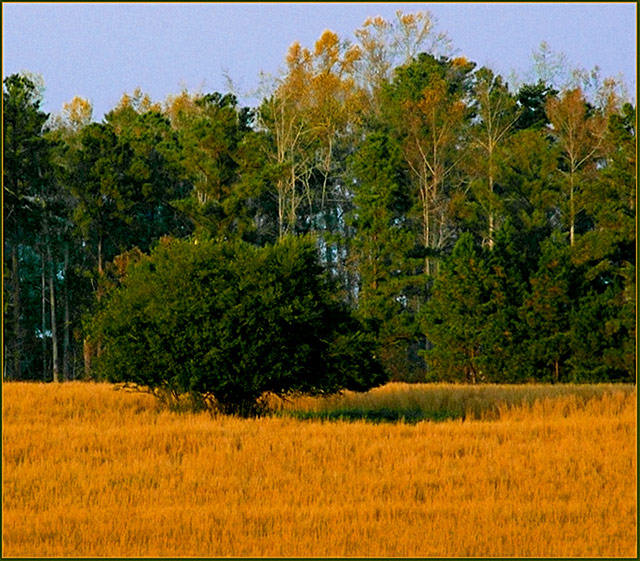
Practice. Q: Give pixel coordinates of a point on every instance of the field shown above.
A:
(529, 471)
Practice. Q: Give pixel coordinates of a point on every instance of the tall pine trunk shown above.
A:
(88, 348)
(43, 290)
(67, 323)
(15, 281)
(491, 184)
(52, 304)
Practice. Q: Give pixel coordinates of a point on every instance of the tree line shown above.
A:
(480, 232)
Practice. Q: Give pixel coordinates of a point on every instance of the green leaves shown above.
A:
(25, 156)
(233, 320)
(455, 316)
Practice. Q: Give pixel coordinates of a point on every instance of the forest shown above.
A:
(481, 231)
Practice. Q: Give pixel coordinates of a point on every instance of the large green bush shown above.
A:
(230, 320)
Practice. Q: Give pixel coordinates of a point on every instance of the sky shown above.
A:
(100, 51)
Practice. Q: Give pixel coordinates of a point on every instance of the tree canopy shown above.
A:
(477, 230)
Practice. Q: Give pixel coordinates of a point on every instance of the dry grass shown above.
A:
(437, 402)
(88, 471)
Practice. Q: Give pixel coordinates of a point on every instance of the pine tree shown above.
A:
(604, 324)
(455, 317)
(546, 313)
(503, 333)
(25, 167)
(380, 250)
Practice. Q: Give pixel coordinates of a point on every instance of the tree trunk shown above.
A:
(374, 263)
(471, 372)
(99, 258)
(67, 323)
(426, 222)
(292, 212)
(43, 289)
(491, 218)
(52, 303)
(571, 212)
(88, 348)
(17, 349)
(87, 353)
(281, 208)
(427, 233)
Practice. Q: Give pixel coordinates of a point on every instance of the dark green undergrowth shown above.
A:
(410, 416)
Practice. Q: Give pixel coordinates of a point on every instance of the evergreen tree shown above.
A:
(604, 324)
(455, 317)
(156, 173)
(530, 195)
(532, 99)
(380, 251)
(210, 129)
(546, 313)
(104, 190)
(503, 333)
(26, 170)
(602, 338)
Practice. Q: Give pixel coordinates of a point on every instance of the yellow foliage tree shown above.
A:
(386, 44)
(77, 113)
(497, 113)
(580, 134)
(313, 104)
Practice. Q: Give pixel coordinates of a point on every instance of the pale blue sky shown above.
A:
(102, 50)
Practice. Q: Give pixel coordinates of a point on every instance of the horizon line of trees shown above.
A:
(482, 234)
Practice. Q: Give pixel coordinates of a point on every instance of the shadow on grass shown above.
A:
(410, 416)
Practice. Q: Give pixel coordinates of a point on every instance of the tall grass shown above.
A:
(89, 471)
(435, 402)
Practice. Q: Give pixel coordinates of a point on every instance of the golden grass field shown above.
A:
(540, 471)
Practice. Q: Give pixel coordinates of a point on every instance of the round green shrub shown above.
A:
(230, 320)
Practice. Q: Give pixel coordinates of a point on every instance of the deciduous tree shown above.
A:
(230, 321)
(580, 132)
(496, 115)
(427, 110)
